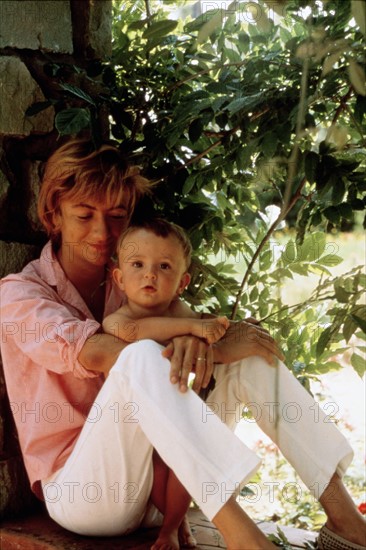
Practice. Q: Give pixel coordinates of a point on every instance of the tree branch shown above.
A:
(265, 239)
(148, 11)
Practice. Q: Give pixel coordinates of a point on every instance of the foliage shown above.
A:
(236, 114)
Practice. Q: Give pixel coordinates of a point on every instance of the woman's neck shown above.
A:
(83, 275)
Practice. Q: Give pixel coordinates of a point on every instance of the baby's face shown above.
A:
(152, 268)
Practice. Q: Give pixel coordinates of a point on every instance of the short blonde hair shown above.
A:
(161, 228)
(77, 171)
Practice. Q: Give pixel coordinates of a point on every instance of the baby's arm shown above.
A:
(162, 329)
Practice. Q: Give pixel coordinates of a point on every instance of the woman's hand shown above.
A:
(189, 354)
(244, 339)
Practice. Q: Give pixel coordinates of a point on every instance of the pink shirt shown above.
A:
(44, 325)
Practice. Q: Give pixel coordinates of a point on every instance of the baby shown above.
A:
(154, 258)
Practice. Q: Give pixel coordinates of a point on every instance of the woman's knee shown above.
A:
(140, 358)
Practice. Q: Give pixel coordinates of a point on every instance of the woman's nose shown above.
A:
(101, 229)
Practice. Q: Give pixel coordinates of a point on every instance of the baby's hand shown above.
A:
(214, 329)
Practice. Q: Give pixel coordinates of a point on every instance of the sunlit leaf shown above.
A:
(330, 260)
(358, 363)
(357, 77)
(210, 26)
(158, 29)
(358, 8)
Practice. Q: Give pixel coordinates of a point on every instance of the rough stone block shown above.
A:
(4, 186)
(18, 92)
(34, 184)
(36, 25)
(14, 256)
(15, 492)
(100, 28)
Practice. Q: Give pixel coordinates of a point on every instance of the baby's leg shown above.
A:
(170, 497)
(159, 488)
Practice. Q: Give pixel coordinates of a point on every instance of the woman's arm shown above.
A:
(244, 339)
(100, 352)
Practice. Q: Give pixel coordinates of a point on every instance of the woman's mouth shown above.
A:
(94, 251)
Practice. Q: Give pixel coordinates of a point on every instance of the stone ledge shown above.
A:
(39, 532)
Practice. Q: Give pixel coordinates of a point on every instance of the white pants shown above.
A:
(104, 487)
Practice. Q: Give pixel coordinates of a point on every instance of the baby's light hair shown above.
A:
(161, 228)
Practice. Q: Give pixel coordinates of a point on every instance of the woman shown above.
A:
(90, 409)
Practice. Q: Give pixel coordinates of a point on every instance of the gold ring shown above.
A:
(201, 359)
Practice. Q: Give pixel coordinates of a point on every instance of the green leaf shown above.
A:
(71, 121)
(358, 363)
(362, 280)
(358, 8)
(74, 90)
(195, 129)
(201, 20)
(341, 294)
(323, 341)
(136, 25)
(357, 77)
(338, 190)
(232, 55)
(346, 211)
(215, 22)
(301, 269)
(318, 269)
(349, 328)
(244, 103)
(289, 254)
(311, 164)
(269, 144)
(332, 214)
(330, 260)
(189, 184)
(158, 29)
(361, 323)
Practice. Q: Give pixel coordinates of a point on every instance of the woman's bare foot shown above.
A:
(343, 517)
(186, 539)
(238, 530)
(355, 534)
(167, 540)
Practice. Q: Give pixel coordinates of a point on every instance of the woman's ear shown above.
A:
(56, 221)
(117, 277)
(184, 282)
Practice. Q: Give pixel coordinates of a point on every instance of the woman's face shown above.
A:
(89, 229)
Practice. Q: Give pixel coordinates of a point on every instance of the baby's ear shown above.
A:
(117, 277)
(184, 282)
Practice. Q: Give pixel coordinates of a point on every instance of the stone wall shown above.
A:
(33, 35)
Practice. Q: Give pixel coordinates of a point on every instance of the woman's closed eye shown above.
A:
(118, 216)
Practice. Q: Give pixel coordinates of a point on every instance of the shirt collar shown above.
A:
(53, 274)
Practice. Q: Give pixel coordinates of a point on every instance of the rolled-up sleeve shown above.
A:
(35, 322)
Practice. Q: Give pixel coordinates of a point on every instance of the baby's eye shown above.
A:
(164, 266)
(136, 264)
